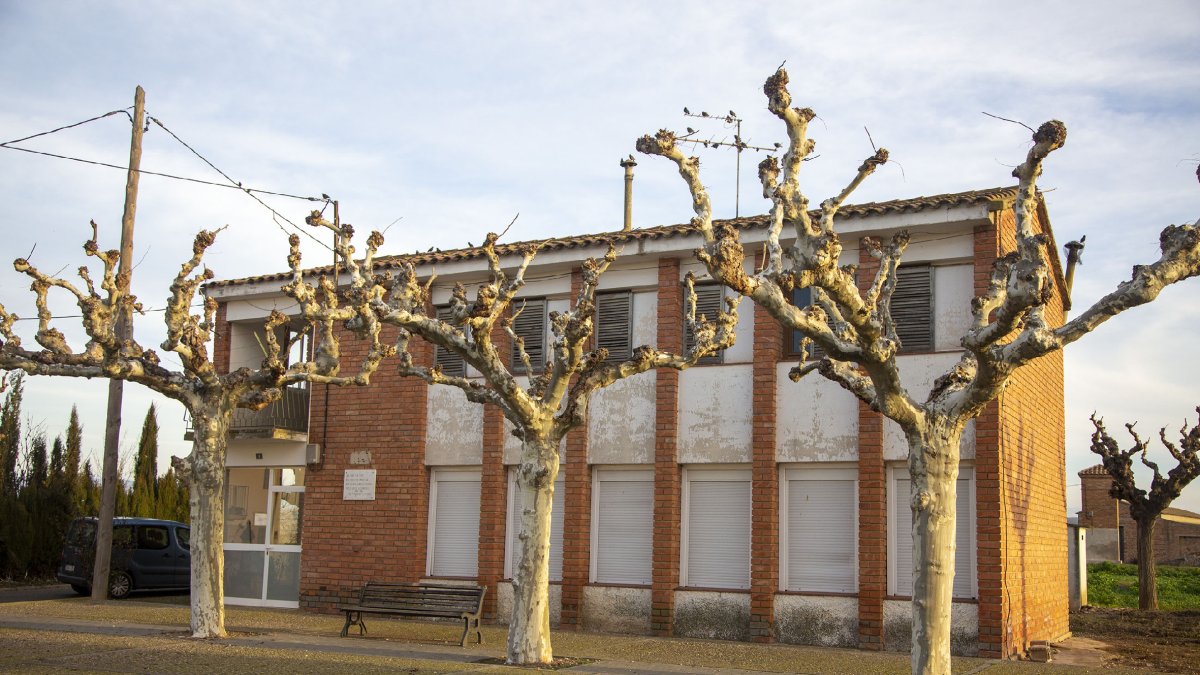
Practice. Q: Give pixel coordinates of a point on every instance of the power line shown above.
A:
(71, 126)
(232, 184)
(238, 185)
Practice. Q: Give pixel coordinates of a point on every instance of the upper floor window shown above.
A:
(452, 364)
(530, 326)
(912, 310)
(708, 304)
(614, 324)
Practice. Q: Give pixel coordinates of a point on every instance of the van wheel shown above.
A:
(119, 585)
(81, 589)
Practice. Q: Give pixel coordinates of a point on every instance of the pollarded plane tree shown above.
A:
(209, 396)
(1146, 506)
(857, 335)
(544, 409)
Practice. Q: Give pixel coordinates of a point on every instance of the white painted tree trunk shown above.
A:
(204, 471)
(933, 468)
(529, 628)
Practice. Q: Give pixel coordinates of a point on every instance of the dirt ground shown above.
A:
(1164, 641)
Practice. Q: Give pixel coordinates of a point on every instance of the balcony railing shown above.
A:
(286, 418)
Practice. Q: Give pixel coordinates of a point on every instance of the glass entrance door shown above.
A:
(263, 515)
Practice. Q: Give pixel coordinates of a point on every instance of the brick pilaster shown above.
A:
(221, 340)
(493, 497)
(667, 479)
(989, 514)
(872, 528)
(764, 515)
(577, 516)
(872, 506)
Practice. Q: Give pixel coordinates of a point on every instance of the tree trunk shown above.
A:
(1147, 567)
(529, 628)
(204, 471)
(933, 468)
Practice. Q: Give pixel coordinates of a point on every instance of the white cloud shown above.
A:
(458, 116)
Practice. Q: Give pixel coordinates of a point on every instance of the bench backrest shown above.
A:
(437, 599)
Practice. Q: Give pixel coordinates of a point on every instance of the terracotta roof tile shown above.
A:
(660, 232)
(1097, 470)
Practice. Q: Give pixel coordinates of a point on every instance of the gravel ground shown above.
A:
(143, 636)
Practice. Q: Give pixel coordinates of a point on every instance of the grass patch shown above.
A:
(1116, 585)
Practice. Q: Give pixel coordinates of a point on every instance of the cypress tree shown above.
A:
(10, 437)
(145, 469)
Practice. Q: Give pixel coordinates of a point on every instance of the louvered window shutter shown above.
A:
(624, 531)
(614, 321)
(456, 525)
(556, 529)
(912, 308)
(530, 325)
(451, 363)
(964, 530)
(801, 297)
(708, 305)
(821, 530)
(719, 534)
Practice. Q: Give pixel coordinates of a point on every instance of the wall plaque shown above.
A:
(359, 485)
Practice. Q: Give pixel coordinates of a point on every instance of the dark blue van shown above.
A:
(147, 554)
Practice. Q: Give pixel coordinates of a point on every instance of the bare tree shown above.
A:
(857, 335)
(1146, 507)
(542, 411)
(210, 397)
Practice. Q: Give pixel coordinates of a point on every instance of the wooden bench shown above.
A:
(418, 600)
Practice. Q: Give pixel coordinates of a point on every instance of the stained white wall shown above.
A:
(918, 373)
(817, 420)
(455, 429)
(714, 414)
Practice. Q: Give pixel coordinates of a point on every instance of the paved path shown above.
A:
(29, 593)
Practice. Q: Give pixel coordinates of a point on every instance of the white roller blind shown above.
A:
(821, 530)
(718, 522)
(964, 533)
(556, 529)
(455, 550)
(624, 531)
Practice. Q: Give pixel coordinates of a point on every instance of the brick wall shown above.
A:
(1021, 488)
(764, 514)
(667, 479)
(872, 505)
(493, 486)
(349, 543)
(577, 516)
(1172, 539)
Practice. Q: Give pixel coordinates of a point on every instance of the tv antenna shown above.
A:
(739, 144)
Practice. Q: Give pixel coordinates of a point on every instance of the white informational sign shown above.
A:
(359, 485)
(260, 520)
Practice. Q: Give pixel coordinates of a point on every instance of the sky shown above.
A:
(445, 120)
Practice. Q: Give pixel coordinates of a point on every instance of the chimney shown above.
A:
(628, 165)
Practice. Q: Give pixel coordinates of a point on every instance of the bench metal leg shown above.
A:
(354, 618)
(468, 622)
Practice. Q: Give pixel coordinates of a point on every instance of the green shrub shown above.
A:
(1116, 585)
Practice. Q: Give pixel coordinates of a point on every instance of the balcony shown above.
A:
(285, 419)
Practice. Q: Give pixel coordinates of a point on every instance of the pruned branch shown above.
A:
(1163, 489)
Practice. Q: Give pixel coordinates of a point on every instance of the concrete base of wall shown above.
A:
(613, 609)
(964, 627)
(816, 620)
(712, 615)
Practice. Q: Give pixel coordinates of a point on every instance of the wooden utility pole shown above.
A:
(112, 431)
